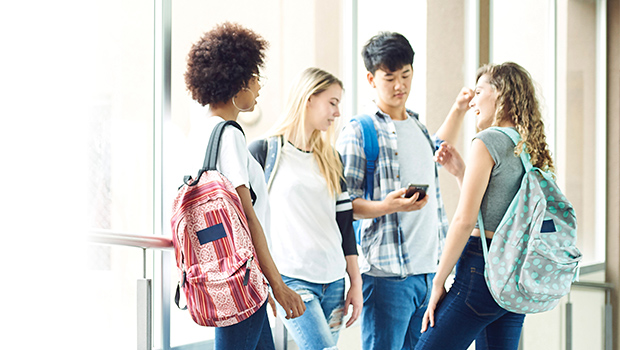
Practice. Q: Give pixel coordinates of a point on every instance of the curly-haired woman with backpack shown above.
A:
(223, 73)
(504, 97)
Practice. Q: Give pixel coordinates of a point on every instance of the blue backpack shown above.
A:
(532, 259)
(371, 150)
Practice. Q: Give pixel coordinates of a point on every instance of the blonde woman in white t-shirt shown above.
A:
(312, 237)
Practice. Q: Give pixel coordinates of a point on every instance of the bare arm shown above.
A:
(451, 160)
(475, 182)
(354, 295)
(288, 299)
(450, 129)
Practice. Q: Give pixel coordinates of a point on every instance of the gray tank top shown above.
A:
(505, 178)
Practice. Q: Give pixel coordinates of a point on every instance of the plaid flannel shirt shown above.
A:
(382, 238)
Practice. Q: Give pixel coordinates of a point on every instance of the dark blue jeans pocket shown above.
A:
(479, 299)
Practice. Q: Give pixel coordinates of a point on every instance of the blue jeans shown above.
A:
(252, 333)
(319, 326)
(393, 310)
(469, 312)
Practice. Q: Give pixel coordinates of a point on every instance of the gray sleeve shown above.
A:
(498, 144)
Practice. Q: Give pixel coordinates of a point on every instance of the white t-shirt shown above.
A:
(234, 161)
(306, 240)
(419, 227)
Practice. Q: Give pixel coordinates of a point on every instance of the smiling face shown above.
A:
(484, 103)
(322, 109)
(392, 87)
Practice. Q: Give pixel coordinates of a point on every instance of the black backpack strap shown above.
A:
(213, 148)
(214, 144)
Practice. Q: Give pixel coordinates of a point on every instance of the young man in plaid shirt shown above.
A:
(401, 237)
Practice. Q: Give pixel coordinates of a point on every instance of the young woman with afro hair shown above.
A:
(223, 73)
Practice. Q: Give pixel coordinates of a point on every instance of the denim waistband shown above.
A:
(474, 243)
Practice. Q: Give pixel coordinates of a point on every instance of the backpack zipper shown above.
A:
(248, 268)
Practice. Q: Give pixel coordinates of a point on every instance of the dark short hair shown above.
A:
(222, 62)
(388, 51)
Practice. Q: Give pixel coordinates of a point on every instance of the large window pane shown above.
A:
(531, 46)
(557, 47)
(577, 98)
(121, 122)
(120, 162)
(373, 19)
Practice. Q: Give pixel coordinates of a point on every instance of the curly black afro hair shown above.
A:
(222, 62)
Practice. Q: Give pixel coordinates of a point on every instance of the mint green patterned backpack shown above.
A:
(532, 259)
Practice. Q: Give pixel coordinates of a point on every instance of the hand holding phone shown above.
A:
(415, 188)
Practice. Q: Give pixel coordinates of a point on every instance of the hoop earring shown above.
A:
(244, 109)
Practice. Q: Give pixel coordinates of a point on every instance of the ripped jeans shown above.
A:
(319, 326)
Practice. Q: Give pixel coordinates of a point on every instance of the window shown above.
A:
(120, 172)
(557, 47)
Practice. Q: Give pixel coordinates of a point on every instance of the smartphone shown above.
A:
(413, 188)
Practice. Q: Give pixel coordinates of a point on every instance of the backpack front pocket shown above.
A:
(547, 273)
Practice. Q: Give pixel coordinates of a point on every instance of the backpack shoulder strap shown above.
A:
(485, 249)
(210, 161)
(214, 143)
(371, 150)
(274, 146)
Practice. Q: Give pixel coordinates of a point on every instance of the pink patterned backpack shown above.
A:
(221, 277)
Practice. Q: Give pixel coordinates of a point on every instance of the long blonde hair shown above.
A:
(517, 103)
(291, 125)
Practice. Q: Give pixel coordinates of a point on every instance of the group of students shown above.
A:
(301, 189)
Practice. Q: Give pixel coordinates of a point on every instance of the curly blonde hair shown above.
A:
(517, 103)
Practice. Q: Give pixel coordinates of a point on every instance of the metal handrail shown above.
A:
(594, 285)
(131, 240)
(144, 287)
